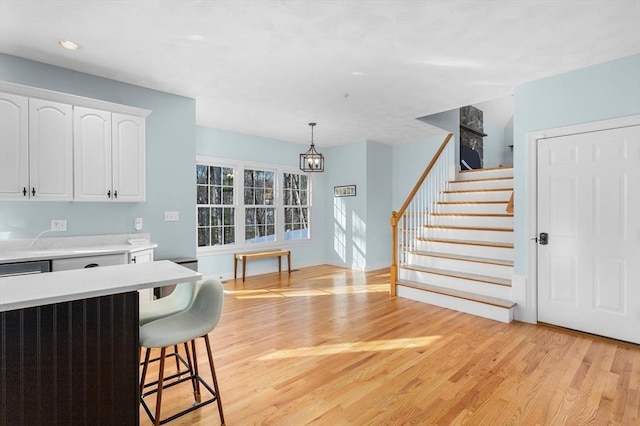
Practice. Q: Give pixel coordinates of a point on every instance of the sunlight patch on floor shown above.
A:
(306, 292)
(351, 347)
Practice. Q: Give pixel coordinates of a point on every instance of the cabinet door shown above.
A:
(144, 256)
(14, 147)
(50, 150)
(128, 145)
(92, 154)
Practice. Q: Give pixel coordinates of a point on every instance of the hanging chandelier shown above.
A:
(312, 160)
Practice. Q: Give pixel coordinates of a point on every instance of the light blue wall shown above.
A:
(170, 165)
(600, 92)
(379, 207)
(493, 144)
(238, 146)
(409, 160)
(346, 238)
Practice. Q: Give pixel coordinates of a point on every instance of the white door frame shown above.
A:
(532, 194)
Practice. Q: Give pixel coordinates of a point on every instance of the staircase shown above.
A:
(462, 257)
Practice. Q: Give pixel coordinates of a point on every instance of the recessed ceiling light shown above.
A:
(70, 45)
(196, 37)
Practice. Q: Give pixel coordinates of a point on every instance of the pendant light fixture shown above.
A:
(312, 160)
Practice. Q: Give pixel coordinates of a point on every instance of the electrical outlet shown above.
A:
(59, 225)
(171, 216)
(138, 224)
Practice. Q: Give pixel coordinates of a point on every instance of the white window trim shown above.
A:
(239, 167)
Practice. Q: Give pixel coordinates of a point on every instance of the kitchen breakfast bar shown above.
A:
(69, 343)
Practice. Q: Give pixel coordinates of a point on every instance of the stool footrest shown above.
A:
(183, 412)
(173, 376)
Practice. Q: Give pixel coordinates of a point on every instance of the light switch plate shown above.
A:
(138, 224)
(171, 216)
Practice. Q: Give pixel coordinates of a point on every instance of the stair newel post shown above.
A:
(394, 254)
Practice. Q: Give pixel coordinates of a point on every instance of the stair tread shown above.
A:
(473, 202)
(474, 214)
(470, 228)
(466, 242)
(494, 301)
(455, 191)
(487, 169)
(464, 275)
(465, 258)
(481, 179)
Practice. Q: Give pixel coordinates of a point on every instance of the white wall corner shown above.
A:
(526, 307)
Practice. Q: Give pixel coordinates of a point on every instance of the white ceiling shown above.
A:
(360, 69)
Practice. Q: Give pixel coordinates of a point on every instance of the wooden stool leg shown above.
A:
(279, 264)
(144, 369)
(160, 378)
(214, 377)
(197, 396)
(289, 261)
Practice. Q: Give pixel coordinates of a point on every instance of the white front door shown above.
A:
(589, 205)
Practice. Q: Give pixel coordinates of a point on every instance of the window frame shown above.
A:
(239, 167)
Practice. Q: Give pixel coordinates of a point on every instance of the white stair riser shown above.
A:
(472, 208)
(462, 305)
(472, 221)
(466, 250)
(481, 184)
(476, 287)
(469, 235)
(480, 268)
(486, 174)
(477, 196)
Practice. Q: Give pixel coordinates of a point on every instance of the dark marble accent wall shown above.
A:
(471, 123)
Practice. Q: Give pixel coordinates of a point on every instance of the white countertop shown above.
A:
(59, 248)
(25, 255)
(42, 289)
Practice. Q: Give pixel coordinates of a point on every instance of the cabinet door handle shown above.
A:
(133, 260)
(33, 191)
(115, 194)
(109, 194)
(24, 191)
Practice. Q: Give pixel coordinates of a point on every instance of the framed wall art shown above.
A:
(344, 191)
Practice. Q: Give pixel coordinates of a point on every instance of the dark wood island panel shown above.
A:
(71, 363)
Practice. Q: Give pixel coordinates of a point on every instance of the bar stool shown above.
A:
(179, 300)
(195, 322)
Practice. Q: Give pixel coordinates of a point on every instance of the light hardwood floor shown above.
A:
(328, 346)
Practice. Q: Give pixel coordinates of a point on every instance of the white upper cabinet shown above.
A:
(92, 154)
(50, 150)
(109, 156)
(57, 146)
(35, 149)
(14, 147)
(128, 153)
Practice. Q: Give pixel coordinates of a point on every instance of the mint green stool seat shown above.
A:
(199, 319)
(179, 300)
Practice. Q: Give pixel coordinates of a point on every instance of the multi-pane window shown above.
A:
(216, 209)
(296, 206)
(250, 204)
(260, 212)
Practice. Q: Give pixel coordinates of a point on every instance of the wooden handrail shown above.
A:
(396, 215)
(424, 175)
(510, 204)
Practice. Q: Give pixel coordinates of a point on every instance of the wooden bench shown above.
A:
(259, 254)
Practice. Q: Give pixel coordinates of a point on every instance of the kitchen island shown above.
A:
(69, 343)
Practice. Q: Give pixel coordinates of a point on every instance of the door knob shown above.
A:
(542, 239)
